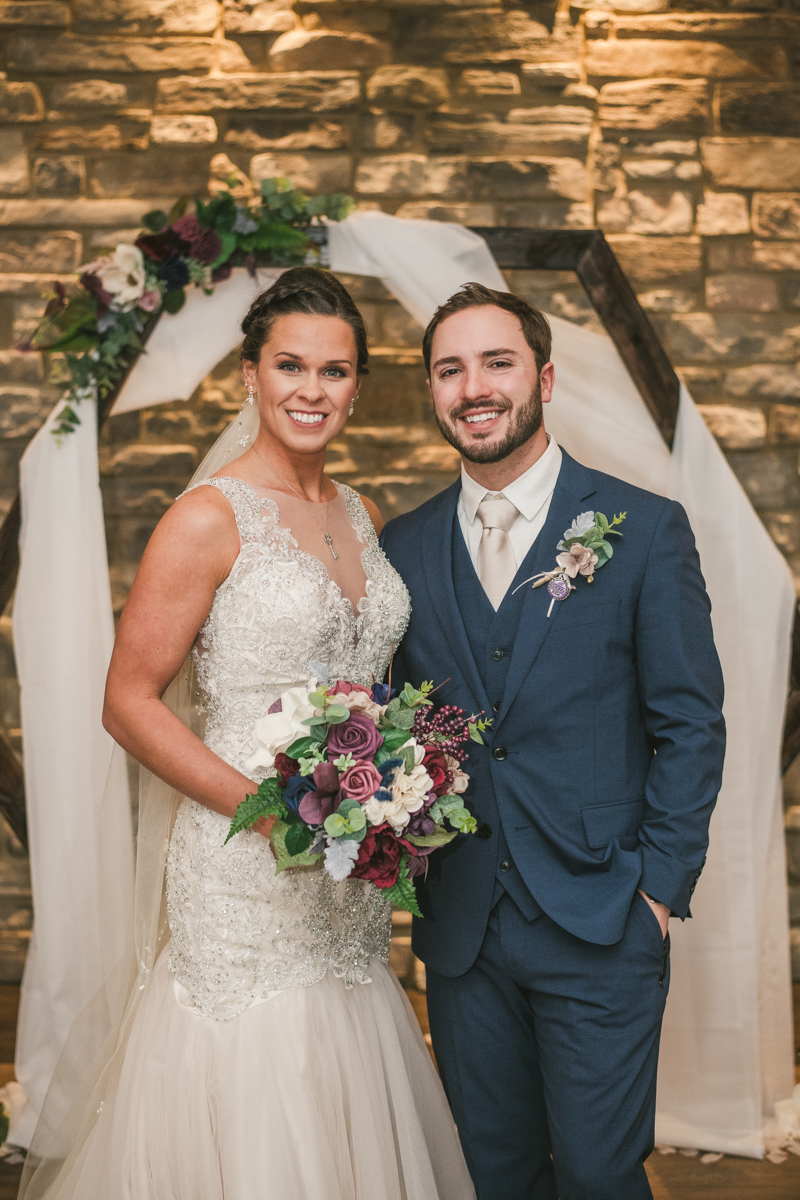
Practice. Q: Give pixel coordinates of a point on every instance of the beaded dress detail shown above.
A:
(239, 932)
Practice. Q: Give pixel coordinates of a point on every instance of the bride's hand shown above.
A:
(264, 826)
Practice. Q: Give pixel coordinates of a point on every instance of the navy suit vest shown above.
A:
(491, 636)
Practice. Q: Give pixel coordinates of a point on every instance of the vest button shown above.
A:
(499, 753)
(496, 706)
(497, 655)
(484, 831)
(505, 865)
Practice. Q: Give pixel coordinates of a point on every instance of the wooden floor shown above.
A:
(672, 1177)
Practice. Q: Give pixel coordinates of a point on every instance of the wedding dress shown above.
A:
(274, 1055)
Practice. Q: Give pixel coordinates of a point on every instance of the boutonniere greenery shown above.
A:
(585, 548)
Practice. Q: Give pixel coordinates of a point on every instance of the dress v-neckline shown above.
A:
(264, 501)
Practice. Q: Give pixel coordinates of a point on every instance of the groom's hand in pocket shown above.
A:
(660, 911)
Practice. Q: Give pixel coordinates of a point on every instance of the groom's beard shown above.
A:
(522, 427)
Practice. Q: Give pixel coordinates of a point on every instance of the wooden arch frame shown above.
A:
(588, 254)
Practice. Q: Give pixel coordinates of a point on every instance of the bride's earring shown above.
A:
(352, 406)
(250, 394)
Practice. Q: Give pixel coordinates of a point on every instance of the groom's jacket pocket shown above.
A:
(604, 822)
(586, 612)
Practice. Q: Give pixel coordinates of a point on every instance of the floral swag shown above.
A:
(101, 325)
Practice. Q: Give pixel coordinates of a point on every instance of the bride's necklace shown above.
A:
(322, 528)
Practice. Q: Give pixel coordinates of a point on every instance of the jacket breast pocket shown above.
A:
(582, 610)
(604, 822)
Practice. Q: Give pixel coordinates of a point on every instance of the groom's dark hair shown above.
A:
(474, 295)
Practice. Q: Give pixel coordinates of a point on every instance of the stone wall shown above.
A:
(674, 127)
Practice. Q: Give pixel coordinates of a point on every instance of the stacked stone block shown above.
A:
(674, 127)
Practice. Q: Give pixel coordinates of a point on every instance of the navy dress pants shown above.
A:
(548, 1049)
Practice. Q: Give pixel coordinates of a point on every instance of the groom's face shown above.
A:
(486, 385)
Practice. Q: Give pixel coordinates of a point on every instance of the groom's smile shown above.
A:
(486, 384)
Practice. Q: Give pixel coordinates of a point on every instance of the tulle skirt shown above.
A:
(320, 1093)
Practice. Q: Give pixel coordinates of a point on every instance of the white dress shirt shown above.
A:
(531, 493)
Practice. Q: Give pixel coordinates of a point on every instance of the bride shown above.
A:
(267, 1051)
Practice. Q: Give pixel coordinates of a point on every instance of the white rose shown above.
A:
(123, 274)
(275, 732)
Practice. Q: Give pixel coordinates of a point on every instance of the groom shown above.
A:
(545, 933)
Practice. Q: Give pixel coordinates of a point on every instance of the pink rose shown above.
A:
(149, 301)
(577, 558)
(345, 688)
(361, 782)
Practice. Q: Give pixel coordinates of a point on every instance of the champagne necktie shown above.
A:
(497, 565)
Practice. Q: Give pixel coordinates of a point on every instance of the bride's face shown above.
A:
(305, 380)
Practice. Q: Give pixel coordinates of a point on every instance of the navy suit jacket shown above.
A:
(604, 760)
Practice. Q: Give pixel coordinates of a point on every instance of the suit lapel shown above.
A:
(437, 559)
(574, 485)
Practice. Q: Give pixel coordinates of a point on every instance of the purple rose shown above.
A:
(204, 244)
(358, 735)
(316, 805)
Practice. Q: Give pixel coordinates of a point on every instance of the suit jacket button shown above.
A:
(505, 865)
(499, 753)
(484, 830)
(497, 655)
(496, 706)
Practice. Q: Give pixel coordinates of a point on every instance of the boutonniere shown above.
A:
(584, 549)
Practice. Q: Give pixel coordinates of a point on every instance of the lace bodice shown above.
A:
(239, 932)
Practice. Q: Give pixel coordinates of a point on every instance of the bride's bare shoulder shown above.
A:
(198, 518)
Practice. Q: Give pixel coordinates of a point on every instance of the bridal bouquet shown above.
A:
(368, 780)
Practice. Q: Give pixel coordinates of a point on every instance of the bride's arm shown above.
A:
(189, 555)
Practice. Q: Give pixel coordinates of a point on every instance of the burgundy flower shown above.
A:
(204, 244)
(378, 857)
(187, 227)
(59, 301)
(361, 782)
(93, 284)
(436, 766)
(316, 806)
(358, 735)
(220, 274)
(286, 767)
(159, 246)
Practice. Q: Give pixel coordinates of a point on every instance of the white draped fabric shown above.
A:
(727, 1048)
(63, 635)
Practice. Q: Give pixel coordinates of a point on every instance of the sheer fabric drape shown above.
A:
(88, 1071)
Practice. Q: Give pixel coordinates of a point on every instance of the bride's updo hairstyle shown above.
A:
(302, 290)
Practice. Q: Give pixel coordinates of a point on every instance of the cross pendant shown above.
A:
(329, 540)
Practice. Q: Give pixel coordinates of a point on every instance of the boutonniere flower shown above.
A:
(584, 549)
